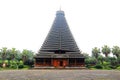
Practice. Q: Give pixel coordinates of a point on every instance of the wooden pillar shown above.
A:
(43, 61)
(67, 62)
(75, 62)
(51, 64)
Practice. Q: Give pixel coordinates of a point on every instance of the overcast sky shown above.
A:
(24, 24)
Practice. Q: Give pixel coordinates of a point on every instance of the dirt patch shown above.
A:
(60, 75)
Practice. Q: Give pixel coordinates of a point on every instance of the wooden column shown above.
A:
(75, 63)
(43, 61)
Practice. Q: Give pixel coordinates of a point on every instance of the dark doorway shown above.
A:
(61, 63)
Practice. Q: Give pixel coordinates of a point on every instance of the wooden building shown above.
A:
(59, 49)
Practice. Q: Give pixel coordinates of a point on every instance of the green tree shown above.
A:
(0, 54)
(91, 61)
(96, 52)
(4, 53)
(86, 55)
(113, 60)
(116, 51)
(101, 59)
(106, 50)
(19, 55)
(24, 55)
(27, 55)
(13, 53)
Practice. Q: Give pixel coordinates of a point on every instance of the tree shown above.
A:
(113, 61)
(106, 50)
(13, 53)
(24, 55)
(86, 55)
(95, 52)
(116, 51)
(0, 54)
(27, 56)
(19, 55)
(101, 59)
(3, 53)
(90, 61)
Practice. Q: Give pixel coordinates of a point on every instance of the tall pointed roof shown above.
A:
(59, 37)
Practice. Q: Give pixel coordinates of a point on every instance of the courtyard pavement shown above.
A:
(60, 75)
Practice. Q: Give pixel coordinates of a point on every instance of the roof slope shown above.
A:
(59, 36)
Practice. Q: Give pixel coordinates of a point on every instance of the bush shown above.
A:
(89, 66)
(118, 68)
(0, 63)
(112, 67)
(91, 61)
(21, 66)
(98, 66)
(26, 67)
(13, 66)
(21, 62)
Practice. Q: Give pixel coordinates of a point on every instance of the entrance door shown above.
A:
(61, 63)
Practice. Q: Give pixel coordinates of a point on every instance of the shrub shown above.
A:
(98, 66)
(118, 68)
(26, 66)
(0, 63)
(88, 66)
(21, 66)
(112, 67)
(13, 66)
(91, 61)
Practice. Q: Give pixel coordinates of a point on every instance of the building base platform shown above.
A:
(59, 68)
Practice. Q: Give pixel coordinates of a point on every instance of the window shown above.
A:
(71, 61)
(78, 61)
(48, 61)
(41, 61)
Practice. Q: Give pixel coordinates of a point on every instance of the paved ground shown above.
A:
(60, 75)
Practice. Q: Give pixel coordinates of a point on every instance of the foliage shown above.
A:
(86, 55)
(112, 66)
(98, 66)
(91, 61)
(15, 59)
(1, 63)
(118, 68)
(21, 66)
(116, 51)
(27, 56)
(95, 52)
(118, 59)
(101, 59)
(106, 50)
(108, 62)
(13, 66)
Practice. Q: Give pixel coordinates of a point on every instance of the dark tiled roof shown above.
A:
(59, 36)
(59, 42)
(59, 56)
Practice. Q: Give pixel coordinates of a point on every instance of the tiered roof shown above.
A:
(59, 37)
(59, 40)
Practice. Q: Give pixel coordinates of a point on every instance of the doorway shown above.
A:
(61, 63)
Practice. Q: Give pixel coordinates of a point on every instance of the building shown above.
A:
(59, 49)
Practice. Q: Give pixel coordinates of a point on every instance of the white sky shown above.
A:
(24, 24)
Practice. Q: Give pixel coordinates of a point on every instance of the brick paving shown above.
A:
(60, 75)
